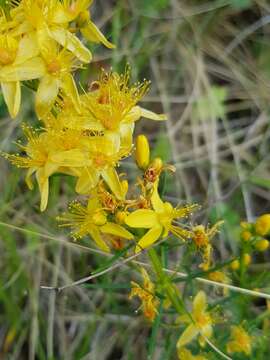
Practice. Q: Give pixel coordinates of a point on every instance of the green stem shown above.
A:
(170, 289)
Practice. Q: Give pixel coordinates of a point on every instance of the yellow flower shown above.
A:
(77, 10)
(262, 225)
(185, 354)
(240, 341)
(59, 65)
(202, 237)
(160, 220)
(19, 61)
(40, 16)
(142, 154)
(199, 323)
(92, 220)
(37, 161)
(99, 160)
(146, 293)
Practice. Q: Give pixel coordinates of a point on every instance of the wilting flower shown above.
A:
(200, 322)
(160, 220)
(92, 220)
(146, 293)
(185, 354)
(202, 237)
(240, 341)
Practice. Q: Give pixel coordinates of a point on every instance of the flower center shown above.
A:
(54, 66)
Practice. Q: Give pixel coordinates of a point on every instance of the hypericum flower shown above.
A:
(92, 220)
(262, 225)
(200, 322)
(160, 220)
(202, 236)
(146, 293)
(37, 160)
(185, 354)
(240, 341)
(19, 61)
(99, 161)
(41, 17)
(112, 102)
(142, 152)
(59, 65)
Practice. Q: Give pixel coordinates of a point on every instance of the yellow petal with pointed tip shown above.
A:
(12, 95)
(31, 69)
(46, 94)
(152, 116)
(95, 234)
(70, 158)
(188, 335)
(117, 230)
(28, 48)
(72, 43)
(43, 184)
(142, 218)
(156, 201)
(112, 179)
(199, 303)
(28, 179)
(69, 86)
(92, 33)
(87, 180)
(148, 239)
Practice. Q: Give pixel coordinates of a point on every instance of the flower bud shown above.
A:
(262, 225)
(120, 217)
(262, 245)
(246, 259)
(235, 265)
(246, 235)
(142, 153)
(99, 218)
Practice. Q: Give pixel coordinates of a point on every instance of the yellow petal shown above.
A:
(92, 33)
(70, 158)
(199, 303)
(133, 115)
(69, 86)
(12, 95)
(151, 115)
(72, 43)
(87, 180)
(187, 336)
(117, 230)
(31, 69)
(143, 218)
(95, 234)
(28, 48)
(28, 179)
(46, 94)
(156, 201)
(149, 238)
(43, 184)
(112, 179)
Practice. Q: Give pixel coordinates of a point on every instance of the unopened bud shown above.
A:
(246, 259)
(246, 235)
(235, 265)
(121, 216)
(262, 245)
(142, 153)
(262, 225)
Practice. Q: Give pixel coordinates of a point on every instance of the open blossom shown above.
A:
(92, 220)
(240, 341)
(199, 322)
(19, 61)
(160, 220)
(146, 293)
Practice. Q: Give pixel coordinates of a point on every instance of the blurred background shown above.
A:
(209, 63)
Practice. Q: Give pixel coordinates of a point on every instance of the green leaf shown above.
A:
(260, 181)
(211, 105)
